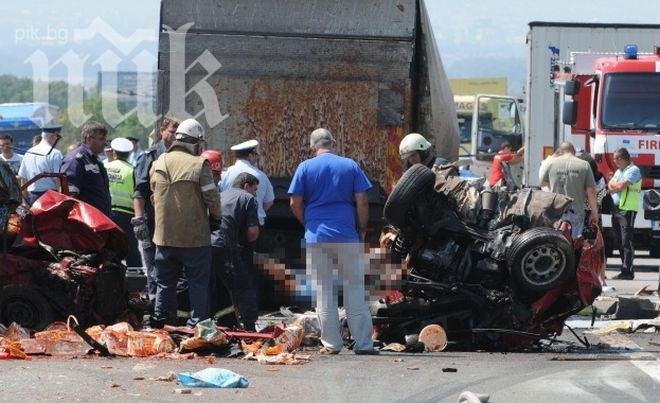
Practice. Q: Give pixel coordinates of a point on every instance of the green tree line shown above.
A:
(20, 89)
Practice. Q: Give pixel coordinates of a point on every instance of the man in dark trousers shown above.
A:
(233, 245)
(625, 187)
(185, 195)
(143, 220)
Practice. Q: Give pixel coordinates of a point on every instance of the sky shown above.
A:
(477, 38)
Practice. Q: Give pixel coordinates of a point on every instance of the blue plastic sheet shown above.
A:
(214, 378)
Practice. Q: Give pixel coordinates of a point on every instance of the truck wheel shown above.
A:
(26, 306)
(416, 179)
(540, 259)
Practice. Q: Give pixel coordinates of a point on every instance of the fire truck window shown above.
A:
(631, 101)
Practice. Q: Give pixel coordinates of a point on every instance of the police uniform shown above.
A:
(184, 195)
(122, 184)
(88, 179)
(143, 191)
(42, 158)
(265, 192)
(232, 255)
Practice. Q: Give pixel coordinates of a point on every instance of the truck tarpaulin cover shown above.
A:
(63, 222)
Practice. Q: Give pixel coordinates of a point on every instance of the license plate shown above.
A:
(655, 225)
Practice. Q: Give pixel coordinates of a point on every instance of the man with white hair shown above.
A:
(42, 158)
(325, 192)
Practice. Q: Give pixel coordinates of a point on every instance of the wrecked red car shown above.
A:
(59, 258)
(496, 269)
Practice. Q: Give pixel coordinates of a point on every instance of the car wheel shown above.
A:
(416, 179)
(25, 305)
(540, 259)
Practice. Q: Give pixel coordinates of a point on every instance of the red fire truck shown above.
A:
(616, 103)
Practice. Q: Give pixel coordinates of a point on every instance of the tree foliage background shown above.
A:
(19, 89)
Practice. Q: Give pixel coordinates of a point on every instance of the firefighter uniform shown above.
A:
(184, 196)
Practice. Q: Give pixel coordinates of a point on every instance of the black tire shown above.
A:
(540, 259)
(416, 179)
(25, 305)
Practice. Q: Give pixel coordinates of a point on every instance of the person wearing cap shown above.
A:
(247, 155)
(88, 179)
(122, 185)
(143, 220)
(42, 158)
(184, 195)
(136, 151)
(325, 191)
(415, 149)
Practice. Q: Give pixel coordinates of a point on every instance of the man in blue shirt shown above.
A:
(625, 187)
(88, 179)
(325, 191)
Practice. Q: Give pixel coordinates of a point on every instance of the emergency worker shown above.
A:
(143, 220)
(88, 179)
(233, 244)
(122, 186)
(415, 149)
(625, 187)
(184, 194)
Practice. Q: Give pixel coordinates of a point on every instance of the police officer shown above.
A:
(143, 220)
(122, 185)
(88, 179)
(232, 248)
(42, 158)
(247, 155)
(625, 187)
(184, 195)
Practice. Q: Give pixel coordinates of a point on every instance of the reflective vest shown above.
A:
(122, 185)
(630, 196)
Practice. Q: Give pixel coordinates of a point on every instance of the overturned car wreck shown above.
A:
(59, 258)
(496, 269)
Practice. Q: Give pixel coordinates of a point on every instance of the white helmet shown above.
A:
(413, 142)
(190, 128)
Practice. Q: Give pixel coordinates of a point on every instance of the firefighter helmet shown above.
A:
(190, 128)
(214, 157)
(412, 143)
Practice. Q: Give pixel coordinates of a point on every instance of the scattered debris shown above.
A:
(635, 308)
(449, 370)
(413, 368)
(394, 347)
(471, 397)
(183, 391)
(434, 338)
(398, 360)
(213, 378)
(171, 376)
(644, 291)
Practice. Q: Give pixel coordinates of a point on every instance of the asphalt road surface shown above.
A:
(628, 371)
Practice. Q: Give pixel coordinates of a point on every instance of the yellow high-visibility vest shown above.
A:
(122, 185)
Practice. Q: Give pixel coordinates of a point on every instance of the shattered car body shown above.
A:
(61, 257)
(496, 269)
